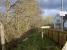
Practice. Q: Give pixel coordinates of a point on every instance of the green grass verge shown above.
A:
(35, 42)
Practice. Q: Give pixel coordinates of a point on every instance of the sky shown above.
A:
(3, 9)
(51, 7)
(48, 7)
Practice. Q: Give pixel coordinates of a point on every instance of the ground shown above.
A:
(35, 42)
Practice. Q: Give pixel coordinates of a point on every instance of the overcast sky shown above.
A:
(48, 7)
(51, 7)
(3, 7)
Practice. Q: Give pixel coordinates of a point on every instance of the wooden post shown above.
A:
(2, 36)
(42, 34)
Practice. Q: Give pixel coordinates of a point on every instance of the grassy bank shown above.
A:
(35, 42)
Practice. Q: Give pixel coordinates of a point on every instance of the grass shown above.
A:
(35, 42)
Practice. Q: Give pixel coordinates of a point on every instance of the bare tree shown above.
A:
(26, 14)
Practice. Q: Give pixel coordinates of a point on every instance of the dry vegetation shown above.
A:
(48, 20)
(25, 16)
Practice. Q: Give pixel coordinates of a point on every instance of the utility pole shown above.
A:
(61, 5)
(62, 16)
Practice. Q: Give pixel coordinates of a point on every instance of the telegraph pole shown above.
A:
(62, 16)
(61, 5)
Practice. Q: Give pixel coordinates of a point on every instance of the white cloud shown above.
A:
(50, 12)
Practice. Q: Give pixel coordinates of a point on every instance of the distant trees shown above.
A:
(48, 20)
